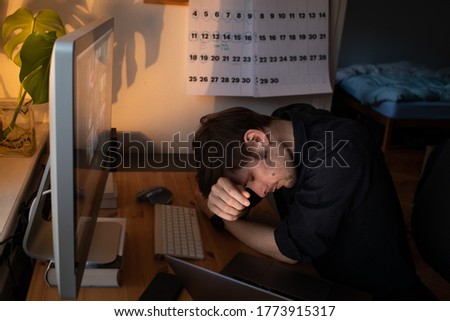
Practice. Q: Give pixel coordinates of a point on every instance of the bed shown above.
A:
(396, 94)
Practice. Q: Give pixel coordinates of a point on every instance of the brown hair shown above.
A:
(219, 143)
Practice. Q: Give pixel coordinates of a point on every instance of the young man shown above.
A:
(336, 199)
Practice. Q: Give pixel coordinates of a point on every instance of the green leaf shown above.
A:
(48, 20)
(16, 28)
(36, 55)
(19, 25)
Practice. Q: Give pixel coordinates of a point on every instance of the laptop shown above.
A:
(247, 277)
(206, 285)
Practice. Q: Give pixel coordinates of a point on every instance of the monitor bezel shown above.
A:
(62, 154)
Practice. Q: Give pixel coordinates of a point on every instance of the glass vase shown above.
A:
(17, 129)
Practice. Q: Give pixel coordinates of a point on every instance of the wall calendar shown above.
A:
(258, 48)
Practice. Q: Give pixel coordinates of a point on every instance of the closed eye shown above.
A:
(251, 179)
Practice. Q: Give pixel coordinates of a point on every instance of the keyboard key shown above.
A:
(177, 232)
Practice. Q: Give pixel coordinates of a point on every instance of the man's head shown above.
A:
(219, 143)
(233, 143)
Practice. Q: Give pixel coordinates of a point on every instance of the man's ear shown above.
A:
(255, 135)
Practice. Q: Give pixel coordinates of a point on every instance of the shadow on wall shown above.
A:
(3, 6)
(130, 19)
(136, 152)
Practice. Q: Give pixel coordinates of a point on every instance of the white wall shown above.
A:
(150, 57)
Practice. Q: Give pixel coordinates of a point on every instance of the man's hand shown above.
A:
(228, 200)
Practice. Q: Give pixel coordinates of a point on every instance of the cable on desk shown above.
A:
(47, 270)
(11, 271)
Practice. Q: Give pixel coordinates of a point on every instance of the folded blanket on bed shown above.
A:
(401, 81)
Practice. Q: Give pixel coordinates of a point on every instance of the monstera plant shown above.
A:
(28, 40)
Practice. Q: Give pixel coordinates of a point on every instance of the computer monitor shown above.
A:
(80, 100)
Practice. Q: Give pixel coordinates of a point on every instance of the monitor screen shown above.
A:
(80, 129)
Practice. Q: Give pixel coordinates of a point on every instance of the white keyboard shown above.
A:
(177, 232)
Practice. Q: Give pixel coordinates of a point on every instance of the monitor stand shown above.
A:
(108, 240)
(105, 259)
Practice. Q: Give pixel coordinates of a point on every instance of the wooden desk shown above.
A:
(140, 266)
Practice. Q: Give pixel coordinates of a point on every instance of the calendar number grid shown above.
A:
(258, 48)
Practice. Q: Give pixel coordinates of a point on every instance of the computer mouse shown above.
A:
(155, 195)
